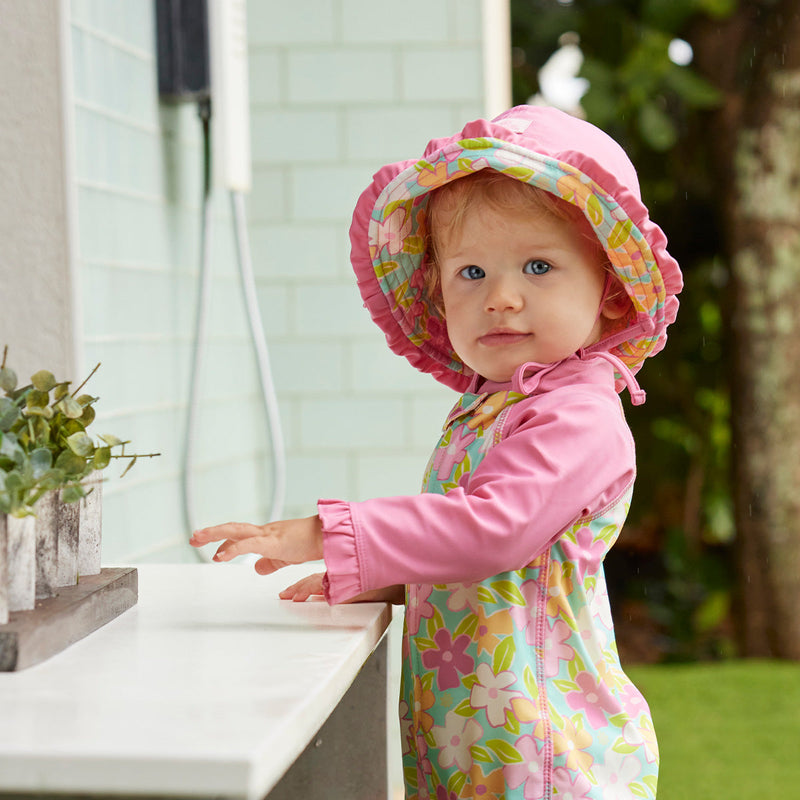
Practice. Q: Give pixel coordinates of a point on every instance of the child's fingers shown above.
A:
(230, 530)
(259, 545)
(266, 566)
(306, 587)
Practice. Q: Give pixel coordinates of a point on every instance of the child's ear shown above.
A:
(616, 305)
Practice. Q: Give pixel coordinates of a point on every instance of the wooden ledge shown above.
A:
(33, 636)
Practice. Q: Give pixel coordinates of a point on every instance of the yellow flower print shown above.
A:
(559, 588)
(487, 787)
(524, 710)
(572, 742)
(491, 629)
(423, 700)
(432, 174)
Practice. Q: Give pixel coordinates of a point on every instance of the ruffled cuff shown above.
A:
(342, 577)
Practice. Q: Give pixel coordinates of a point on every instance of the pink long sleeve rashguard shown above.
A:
(564, 452)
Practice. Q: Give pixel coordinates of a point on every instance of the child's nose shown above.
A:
(503, 295)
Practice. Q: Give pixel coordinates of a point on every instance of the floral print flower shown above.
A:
(491, 786)
(393, 230)
(461, 597)
(571, 785)
(433, 174)
(593, 698)
(642, 734)
(559, 589)
(525, 617)
(585, 552)
(452, 454)
(571, 742)
(455, 739)
(418, 606)
(632, 700)
(616, 775)
(492, 629)
(423, 700)
(530, 771)
(449, 659)
(492, 694)
(406, 726)
(556, 648)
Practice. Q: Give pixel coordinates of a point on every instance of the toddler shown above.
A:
(516, 263)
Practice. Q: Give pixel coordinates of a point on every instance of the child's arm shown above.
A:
(565, 456)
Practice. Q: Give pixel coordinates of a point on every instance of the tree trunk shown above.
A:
(755, 58)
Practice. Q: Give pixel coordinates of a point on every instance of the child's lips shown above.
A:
(502, 336)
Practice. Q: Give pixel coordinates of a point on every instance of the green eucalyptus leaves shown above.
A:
(43, 441)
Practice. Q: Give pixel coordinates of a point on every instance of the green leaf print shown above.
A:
(485, 596)
(476, 144)
(504, 655)
(530, 682)
(607, 533)
(413, 244)
(555, 717)
(621, 746)
(618, 720)
(469, 681)
(481, 754)
(594, 209)
(436, 622)
(620, 234)
(456, 782)
(426, 682)
(575, 666)
(467, 626)
(424, 644)
(520, 173)
(566, 686)
(512, 725)
(651, 781)
(464, 467)
(464, 709)
(509, 591)
(639, 790)
(410, 775)
(504, 751)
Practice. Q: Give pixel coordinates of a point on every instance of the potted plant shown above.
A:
(49, 470)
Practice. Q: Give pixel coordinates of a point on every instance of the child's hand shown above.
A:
(311, 585)
(304, 588)
(291, 541)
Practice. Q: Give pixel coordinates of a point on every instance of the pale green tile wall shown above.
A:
(338, 88)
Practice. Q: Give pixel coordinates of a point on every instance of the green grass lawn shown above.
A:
(726, 731)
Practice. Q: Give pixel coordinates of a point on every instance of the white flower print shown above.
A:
(455, 740)
(616, 774)
(491, 693)
(461, 597)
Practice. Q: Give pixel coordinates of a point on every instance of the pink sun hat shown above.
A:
(547, 148)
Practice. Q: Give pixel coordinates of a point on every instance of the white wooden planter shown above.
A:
(91, 525)
(51, 550)
(17, 564)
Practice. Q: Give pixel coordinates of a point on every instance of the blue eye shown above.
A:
(536, 267)
(472, 273)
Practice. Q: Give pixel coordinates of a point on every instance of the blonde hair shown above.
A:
(448, 206)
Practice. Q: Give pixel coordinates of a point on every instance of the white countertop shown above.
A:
(210, 685)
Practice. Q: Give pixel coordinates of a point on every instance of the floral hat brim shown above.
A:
(389, 224)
